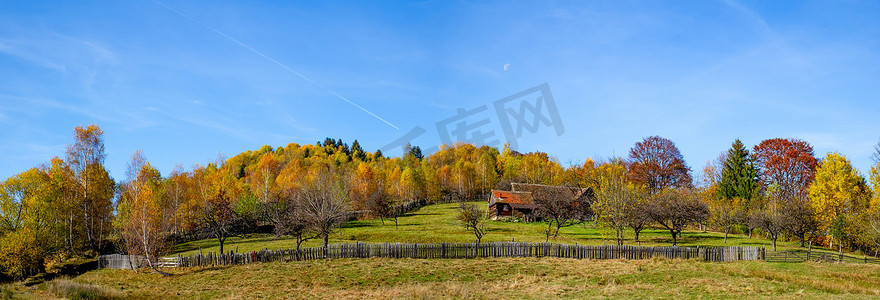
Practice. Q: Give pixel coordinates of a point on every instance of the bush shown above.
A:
(74, 291)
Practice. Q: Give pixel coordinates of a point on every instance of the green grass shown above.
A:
(498, 278)
(492, 278)
(436, 223)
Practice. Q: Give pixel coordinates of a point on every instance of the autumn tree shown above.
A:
(838, 191)
(657, 164)
(30, 224)
(141, 214)
(676, 208)
(875, 187)
(263, 179)
(94, 189)
(616, 199)
(181, 207)
(486, 171)
(787, 163)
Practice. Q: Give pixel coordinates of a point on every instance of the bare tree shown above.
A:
(286, 213)
(561, 207)
(771, 220)
(800, 218)
(638, 216)
(675, 209)
(473, 219)
(324, 205)
(876, 154)
(382, 205)
(220, 220)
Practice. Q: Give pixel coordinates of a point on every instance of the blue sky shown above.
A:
(186, 80)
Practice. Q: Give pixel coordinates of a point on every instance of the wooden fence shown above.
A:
(817, 255)
(472, 250)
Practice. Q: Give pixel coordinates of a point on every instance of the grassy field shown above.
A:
(436, 223)
(494, 279)
(490, 278)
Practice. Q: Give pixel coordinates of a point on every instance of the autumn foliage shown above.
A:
(308, 191)
(657, 164)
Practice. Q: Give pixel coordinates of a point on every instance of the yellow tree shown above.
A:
(141, 215)
(837, 191)
(263, 182)
(616, 199)
(410, 184)
(93, 186)
(363, 185)
(30, 227)
(875, 187)
(488, 175)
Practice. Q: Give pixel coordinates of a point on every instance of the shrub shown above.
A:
(74, 291)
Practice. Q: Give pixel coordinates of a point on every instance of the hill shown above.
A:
(436, 223)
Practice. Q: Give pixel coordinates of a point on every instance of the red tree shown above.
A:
(656, 163)
(787, 163)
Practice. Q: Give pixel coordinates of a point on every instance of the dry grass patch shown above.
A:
(497, 278)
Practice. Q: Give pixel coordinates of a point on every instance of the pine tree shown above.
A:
(357, 151)
(739, 177)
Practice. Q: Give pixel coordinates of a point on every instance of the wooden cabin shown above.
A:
(520, 202)
(510, 204)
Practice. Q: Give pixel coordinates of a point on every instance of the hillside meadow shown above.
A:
(436, 223)
(485, 278)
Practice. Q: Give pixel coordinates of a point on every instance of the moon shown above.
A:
(506, 66)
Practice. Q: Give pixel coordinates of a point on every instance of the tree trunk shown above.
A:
(221, 241)
(774, 242)
(637, 231)
(549, 228)
(726, 231)
(325, 240)
(674, 236)
(558, 225)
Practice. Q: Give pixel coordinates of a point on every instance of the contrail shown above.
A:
(280, 64)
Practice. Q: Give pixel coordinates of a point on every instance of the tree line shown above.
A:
(72, 206)
(778, 187)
